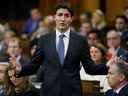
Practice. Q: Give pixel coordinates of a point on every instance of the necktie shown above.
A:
(61, 49)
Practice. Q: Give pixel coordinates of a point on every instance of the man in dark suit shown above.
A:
(118, 76)
(60, 52)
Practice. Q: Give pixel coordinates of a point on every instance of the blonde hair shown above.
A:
(102, 23)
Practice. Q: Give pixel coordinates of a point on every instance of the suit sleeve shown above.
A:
(89, 66)
(34, 64)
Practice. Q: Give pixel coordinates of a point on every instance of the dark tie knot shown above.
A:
(61, 36)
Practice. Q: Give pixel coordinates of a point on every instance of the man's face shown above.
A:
(120, 23)
(92, 38)
(114, 77)
(113, 40)
(2, 72)
(63, 19)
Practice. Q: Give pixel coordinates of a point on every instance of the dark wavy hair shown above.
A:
(102, 49)
(64, 6)
(10, 87)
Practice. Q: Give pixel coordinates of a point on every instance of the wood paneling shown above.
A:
(48, 6)
(115, 7)
(90, 5)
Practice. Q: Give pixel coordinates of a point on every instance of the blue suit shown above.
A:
(123, 91)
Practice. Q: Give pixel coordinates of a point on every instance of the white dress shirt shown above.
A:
(118, 90)
(102, 78)
(65, 38)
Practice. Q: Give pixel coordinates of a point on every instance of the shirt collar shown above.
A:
(66, 33)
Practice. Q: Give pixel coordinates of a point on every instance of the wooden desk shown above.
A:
(91, 88)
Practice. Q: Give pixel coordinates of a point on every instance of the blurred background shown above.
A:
(19, 9)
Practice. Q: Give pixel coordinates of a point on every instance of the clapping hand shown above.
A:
(112, 51)
(15, 63)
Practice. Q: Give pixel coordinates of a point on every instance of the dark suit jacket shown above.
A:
(62, 80)
(123, 91)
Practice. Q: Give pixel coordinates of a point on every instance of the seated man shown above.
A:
(114, 42)
(118, 76)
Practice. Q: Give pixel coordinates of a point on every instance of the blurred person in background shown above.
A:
(2, 30)
(85, 17)
(31, 24)
(49, 22)
(15, 49)
(121, 24)
(99, 22)
(3, 66)
(114, 44)
(18, 86)
(93, 37)
(85, 28)
(125, 12)
(4, 42)
(42, 30)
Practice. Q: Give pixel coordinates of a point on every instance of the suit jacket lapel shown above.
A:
(70, 46)
(123, 91)
(53, 46)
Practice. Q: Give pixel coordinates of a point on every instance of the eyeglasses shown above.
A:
(112, 38)
(92, 38)
(14, 46)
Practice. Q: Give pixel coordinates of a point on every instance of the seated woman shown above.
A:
(97, 53)
(18, 86)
